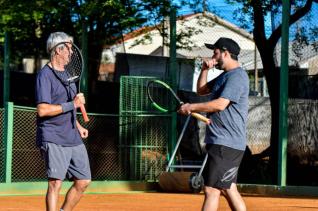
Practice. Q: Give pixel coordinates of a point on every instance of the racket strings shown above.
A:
(74, 66)
(162, 97)
(63, 76)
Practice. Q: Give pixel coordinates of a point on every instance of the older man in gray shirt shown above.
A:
(226, 135)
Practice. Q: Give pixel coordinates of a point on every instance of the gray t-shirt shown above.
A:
(228, 127)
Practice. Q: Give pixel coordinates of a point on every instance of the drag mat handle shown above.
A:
(203, 164)
(178, 143)
(199, 117)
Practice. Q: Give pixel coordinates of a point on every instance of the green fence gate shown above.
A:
(144, 133)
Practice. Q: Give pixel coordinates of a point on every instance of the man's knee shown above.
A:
(54, 185)
(81, 185)
(210, 191)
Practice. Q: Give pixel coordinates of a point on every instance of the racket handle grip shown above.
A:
(83, 110)
(201, 117)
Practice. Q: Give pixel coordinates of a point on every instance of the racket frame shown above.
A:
(158, 107)
(166, 86)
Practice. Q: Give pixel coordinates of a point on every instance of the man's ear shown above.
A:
(59, 49)
(56, 51)
(227, 54)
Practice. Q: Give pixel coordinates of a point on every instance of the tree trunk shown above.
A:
(272, 75)
(95, 49)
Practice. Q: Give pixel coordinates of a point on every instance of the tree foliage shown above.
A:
(30, 23)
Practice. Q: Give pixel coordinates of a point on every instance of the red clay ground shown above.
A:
(156, 201)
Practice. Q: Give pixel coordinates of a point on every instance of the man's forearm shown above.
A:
(44, 109)
(211, 106)
(202, 88)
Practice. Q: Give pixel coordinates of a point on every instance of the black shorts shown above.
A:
(222, 166)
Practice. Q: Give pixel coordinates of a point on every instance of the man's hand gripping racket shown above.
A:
(79, 102)
(164, 99)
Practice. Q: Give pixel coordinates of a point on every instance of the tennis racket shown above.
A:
(71, 67)
(164, 99)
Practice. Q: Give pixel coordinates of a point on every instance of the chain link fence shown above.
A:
(302, 55)
(2, 147)
(26, 158)
(133, 146)
(102, 146)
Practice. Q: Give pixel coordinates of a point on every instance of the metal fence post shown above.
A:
(173, 76)
(84, 80)
(6, 73)
(7, 140)
(283, 100)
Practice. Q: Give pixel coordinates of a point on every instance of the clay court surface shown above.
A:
(156, 201)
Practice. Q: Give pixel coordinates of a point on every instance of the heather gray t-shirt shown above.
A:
(228, 127)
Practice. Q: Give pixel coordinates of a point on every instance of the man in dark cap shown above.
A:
(226, 135)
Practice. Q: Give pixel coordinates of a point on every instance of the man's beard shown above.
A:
(219, 64)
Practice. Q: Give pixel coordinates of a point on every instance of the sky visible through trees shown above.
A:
(227, 12)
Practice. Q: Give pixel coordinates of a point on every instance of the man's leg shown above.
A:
(74, 194)
(211, 199)
(52, 195)
(234, 198)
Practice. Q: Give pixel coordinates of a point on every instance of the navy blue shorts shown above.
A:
(66, 162)
(222, 166)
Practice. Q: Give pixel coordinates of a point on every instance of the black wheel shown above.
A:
(196, 182)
